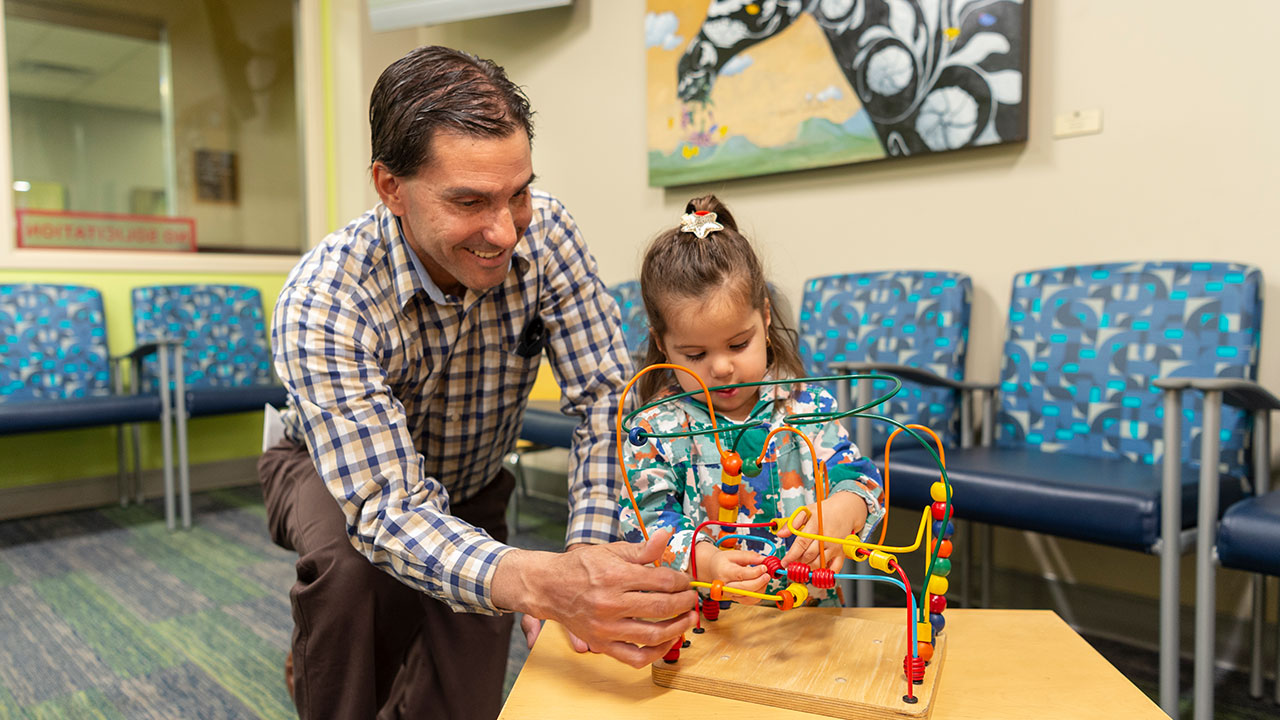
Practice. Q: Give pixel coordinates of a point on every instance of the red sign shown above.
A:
(104, 231)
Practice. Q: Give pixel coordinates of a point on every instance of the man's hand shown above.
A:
(843, 513)
(609, 596)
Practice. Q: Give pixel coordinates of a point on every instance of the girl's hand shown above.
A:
(843, 514)
(740, 569)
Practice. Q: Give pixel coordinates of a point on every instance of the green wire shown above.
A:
(813, 419)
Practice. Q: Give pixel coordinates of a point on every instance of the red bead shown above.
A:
(731, 463)
(939, 509)
(937, 603)
(824, 578)
(710, 609)
(674, 653)
(798, 572)
(772, 564)
(944, 550)
(914, 668)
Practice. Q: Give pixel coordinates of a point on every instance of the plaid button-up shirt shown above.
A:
(407, 397)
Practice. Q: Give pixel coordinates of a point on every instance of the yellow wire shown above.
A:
(924, 520)
(736, 591)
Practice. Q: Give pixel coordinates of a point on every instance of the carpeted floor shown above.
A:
(105, 614)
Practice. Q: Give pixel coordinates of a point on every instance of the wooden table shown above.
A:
(1014, 664)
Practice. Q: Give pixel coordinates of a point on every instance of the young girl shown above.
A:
(710, 310)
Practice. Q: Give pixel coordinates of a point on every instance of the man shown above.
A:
(409, 341)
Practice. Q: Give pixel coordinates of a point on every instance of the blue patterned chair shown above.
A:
(1248, 538)
(635, 323)
(913, 324)
(218, 336)
(1090, 446)
(56, 372)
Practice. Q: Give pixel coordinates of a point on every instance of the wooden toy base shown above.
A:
(838, 666)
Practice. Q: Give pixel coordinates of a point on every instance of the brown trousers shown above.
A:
(364, 644)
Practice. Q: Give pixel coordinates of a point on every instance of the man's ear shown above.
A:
(390, 188)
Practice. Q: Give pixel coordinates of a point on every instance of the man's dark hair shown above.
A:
(436, 88)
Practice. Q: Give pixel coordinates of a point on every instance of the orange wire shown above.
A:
(819, 478)
(622, 402)
(942, 458)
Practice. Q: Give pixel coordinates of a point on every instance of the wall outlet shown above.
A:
(1077, 122)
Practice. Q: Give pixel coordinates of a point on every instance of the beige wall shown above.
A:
(1182, 169)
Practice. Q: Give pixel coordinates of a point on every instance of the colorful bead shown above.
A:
(799, 592)
(938, 585)
(943, 532)
(750, 467)
(674, 653)
(880, 561)
(731, 463)
(710, 609)
(717, 590)
(772, 564)
(636, 436)
(914, 668)
(942, 567)
(938, 492)
(937, 603)
(924, 632)
(787, 602)
(938, 622)
(824, 578)
(728, 500)
(854, 552)
(731, 489)
(938, 510)
(925, 651)
(944, 550)
(798, 572)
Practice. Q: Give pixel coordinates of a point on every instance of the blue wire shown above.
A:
(879, 578)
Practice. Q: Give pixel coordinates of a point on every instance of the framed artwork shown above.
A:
(738, 88)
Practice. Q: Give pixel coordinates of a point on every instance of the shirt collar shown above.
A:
(411, 275)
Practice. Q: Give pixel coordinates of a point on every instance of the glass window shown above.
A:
(136, 122)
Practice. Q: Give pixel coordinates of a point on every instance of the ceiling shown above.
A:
(57, 62)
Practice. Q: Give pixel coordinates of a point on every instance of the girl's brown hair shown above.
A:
(681, 266)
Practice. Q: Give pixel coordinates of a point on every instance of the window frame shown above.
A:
(310, 91)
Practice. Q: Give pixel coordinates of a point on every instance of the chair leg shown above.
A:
(1277, 675)
(1206, 589)
(1170, 551)
(1255, 636)
(184, 466)
(166, 438)
(138, 495)
(517, 469)
(122, 483)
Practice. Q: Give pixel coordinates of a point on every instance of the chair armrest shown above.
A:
(1244, 394)
(918, 375)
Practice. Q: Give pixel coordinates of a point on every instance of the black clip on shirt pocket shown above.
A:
(532, 339)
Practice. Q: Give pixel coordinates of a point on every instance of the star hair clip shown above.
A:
(700, 223)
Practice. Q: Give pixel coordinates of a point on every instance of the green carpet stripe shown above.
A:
(121, 640)
(9, 708)
(7, 576)
(238, 499)
(132, 516)
(208, 563)
(83, 705)
(237, 658)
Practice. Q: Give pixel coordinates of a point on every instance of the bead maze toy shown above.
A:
(815, 662)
